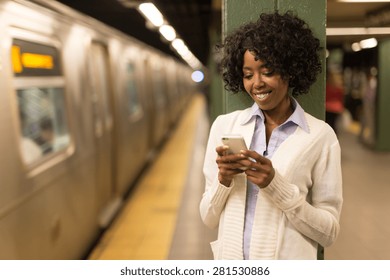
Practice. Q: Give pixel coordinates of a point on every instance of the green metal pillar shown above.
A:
(383, 101)
(238, 12)
(215, 83)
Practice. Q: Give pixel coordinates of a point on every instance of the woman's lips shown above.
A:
(262, 95)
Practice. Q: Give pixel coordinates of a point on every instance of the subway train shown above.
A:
(83, 109)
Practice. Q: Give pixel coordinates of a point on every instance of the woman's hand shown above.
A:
(259, 169)
(228, 165)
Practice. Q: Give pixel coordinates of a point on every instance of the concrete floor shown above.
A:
(365, 222)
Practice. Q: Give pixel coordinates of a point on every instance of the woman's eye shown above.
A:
(248, 76)
(268, 73)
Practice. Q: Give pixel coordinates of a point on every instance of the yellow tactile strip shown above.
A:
(145, 226)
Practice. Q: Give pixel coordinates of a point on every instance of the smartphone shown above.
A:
(236, 143)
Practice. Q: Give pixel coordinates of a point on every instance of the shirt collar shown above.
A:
(297, 117)
(253, 112)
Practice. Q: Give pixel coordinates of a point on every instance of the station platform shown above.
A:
(160, 219)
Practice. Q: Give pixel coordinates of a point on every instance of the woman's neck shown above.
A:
(279, 115)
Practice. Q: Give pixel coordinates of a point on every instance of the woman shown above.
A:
(287, 200)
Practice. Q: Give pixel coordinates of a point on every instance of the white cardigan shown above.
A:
(297, 210)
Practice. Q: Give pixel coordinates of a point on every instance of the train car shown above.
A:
(82, 108)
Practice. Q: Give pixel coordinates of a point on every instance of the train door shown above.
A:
(151, 107)
(103, 128)
(130, 119)
(157, 88)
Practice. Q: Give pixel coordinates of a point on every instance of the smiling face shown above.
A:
(267, 88)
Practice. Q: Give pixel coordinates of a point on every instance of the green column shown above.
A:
(237, 12)
(215, 81)
(383, 101)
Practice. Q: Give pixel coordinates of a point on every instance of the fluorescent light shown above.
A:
(194, 63)
(368, 43)
(185, 53)
(179, 46)
(178, 43)
(342, 31)
(156, 18)
(364, 44)
(356, 47)
(152, 14)
(168, 32)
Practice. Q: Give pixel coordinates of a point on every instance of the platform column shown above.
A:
(383, 102)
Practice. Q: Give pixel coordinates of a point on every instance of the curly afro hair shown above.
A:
(283, 41)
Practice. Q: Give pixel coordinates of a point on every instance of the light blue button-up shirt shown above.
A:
(259, 144)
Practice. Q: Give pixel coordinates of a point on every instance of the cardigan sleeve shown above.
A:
(215, 195)
(314, 212)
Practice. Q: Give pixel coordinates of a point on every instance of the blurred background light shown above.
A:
(150, 11)
(356, 47)
(155, 17)
(368, 43)
(168, 32)
(197, 76)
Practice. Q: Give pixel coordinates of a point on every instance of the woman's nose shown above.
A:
(258, 81)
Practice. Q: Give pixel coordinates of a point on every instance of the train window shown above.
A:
(133, 103)
(44, 127)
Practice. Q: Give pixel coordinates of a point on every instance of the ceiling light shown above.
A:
(368, 43)
(168, 32)
(156, 18)
(152, 14)
(356, 47)
(179, 46)
(364, 44)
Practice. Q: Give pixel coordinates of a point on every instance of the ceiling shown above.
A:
(372, 14)
(192, 19)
